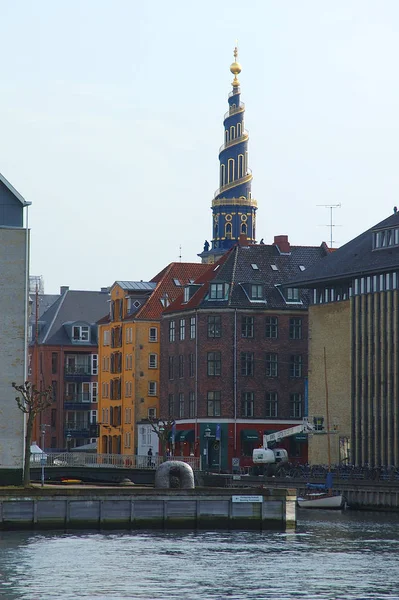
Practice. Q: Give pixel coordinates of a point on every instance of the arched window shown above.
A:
(228, 231)
(232, 132)
(226, 136)
(104, 444)
(240, 166)
(110, 444)
(222, 175)
(238, 129)
(230, 170)
(244, 228)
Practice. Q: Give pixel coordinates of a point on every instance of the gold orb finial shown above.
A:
(235, 68)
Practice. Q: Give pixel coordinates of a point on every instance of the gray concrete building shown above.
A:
(14, 266)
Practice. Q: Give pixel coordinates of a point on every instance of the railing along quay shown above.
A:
(92, 459)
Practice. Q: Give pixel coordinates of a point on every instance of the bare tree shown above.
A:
(163, 428)
(31, 402)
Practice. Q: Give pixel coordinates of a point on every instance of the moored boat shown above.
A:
(321, 500)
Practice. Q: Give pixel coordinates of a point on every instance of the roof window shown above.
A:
(177, 282)
(274, 267)
(302, 268)
(255, 267)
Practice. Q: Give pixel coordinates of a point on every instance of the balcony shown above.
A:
(77, 401)
(77, 372)
(78, 429)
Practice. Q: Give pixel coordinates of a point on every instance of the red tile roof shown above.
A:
(182, 272)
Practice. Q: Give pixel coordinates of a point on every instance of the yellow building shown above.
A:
(129, 351)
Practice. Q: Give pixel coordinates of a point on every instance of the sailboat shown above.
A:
(322, 495)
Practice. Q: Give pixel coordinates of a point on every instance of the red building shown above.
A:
(63, 354)
(234, 354)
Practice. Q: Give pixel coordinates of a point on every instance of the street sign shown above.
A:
(247, 498)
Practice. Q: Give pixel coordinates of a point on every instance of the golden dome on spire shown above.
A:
(235, 68)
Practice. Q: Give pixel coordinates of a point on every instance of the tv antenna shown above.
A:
(331, 224)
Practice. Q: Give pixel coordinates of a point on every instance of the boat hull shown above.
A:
(321, 501)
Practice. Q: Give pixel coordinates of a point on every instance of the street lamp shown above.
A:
(43, 457)
(68, 440)
(207, 435)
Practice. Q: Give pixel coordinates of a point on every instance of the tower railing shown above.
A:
(241, 138)
(234, 110)
(235, 183)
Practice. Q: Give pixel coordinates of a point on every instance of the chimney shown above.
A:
(104, 290)
(243, 240)
(282, 243)
(63, 289)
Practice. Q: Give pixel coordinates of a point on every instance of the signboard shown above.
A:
(247, 498)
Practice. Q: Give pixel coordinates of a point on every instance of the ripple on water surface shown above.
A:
(342, 555)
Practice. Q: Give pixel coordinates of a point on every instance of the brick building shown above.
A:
(234, 358)
(63, 353)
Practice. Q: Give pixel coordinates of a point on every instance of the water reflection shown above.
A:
(331, 555)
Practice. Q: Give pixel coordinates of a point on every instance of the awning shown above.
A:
(250, 435)
(186, 435)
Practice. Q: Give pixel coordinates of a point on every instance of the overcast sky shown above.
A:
(111, 119)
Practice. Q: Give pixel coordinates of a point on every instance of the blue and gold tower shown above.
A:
(233, 208)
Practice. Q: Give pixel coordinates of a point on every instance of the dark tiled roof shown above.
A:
(71, 306)
(354, 258)
(235, 268)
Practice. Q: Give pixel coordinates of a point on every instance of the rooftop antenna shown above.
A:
(331, 224)
(180, 253)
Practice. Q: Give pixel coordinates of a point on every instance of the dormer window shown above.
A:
(257, 292)
(80, 333)
(217, 291)
(385, 238)
(186, 294)
(292, 295)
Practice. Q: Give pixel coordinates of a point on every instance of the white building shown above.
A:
(14, 267)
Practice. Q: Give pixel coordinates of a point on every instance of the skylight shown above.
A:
(274, 267)
(302, 268)
(216, 268)
(177, 282)
(255, 267)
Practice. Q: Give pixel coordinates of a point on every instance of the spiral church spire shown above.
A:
(233, 208)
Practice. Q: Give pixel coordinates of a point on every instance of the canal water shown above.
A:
(340, 555)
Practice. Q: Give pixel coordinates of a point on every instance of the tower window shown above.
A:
(230, 170)
(228, 231)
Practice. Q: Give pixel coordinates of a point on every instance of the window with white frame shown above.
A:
(129, 335)
(128, 415)
(216, 291)
(106, 337)
(192, 328)
(128, 362)
(182, 329)
(296, 405)
(105, 389)
(152, 388)
(128, 438)
(80, 333)
(172, 331)
(152, 361)
(152, 413)
(153, 334)
(271, 404)
(128, 389)
(94, 364)
(94, 391)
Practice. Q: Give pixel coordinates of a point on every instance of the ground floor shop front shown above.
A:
(226, 445)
